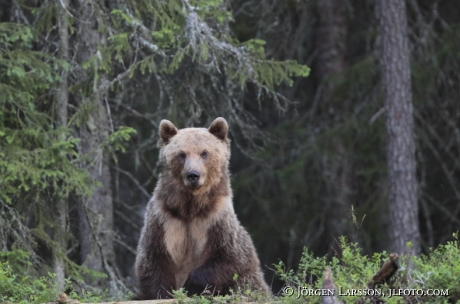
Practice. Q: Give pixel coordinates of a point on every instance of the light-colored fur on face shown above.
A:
(205, 152)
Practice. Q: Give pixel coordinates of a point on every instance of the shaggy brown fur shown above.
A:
(191, 236)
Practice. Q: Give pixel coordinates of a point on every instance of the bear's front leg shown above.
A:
(156, 277)
(154, 266)
(231, 263)
(225, 269)
(215, 276)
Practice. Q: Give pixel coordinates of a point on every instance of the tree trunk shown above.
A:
(62, 102)
(330, 44)
(330, 41)
(403, 205)
(95, 213)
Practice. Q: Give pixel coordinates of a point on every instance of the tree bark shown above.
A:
(330, 44)
(403, 205)
(330, 41)
(62, 117)
(95, 213)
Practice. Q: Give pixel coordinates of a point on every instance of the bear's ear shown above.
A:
(219, 128)
(167, 130)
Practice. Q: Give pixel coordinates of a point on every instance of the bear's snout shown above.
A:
(194, 172)
(193, 177)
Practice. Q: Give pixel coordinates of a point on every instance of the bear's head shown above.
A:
(196, 157)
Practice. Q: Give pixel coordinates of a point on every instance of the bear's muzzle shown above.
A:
(193, 177)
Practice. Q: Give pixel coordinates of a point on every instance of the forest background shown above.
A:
(84, 85)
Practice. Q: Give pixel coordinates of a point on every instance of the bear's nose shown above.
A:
(193, 176)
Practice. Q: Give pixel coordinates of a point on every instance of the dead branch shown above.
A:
(126, 246)
(127, 220)
(134, 180)
(386, 272)
(329, 285)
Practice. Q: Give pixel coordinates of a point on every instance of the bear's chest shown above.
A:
(185, 243)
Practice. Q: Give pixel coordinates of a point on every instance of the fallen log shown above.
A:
(64, 299)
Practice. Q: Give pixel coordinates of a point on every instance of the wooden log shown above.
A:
(142, 302)
(64, 299)
(174, 301)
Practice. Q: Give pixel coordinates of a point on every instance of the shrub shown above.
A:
(23, 289)
(438, 270)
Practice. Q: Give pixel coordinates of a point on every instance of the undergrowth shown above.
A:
(431, 278)
(17, 288)
(437, 271)
(23, 289)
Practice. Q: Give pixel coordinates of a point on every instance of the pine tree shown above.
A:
(403, 198)
(108, 53)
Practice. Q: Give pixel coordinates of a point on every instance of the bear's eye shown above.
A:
(204, 154)
(182, 155)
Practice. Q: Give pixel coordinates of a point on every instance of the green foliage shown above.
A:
(214, 9)
(23, 289)
(351, 271)
(117, 138)
(34, 161)
(32, 155)
(439, 270)
(180, 295)
(184, 32)
(18, 261)
(188, 48)
(17, 287)
(37, 161)
(93, 296)
(310, 269)
(241, 295)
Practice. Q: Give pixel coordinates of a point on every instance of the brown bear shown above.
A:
(191, 237)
